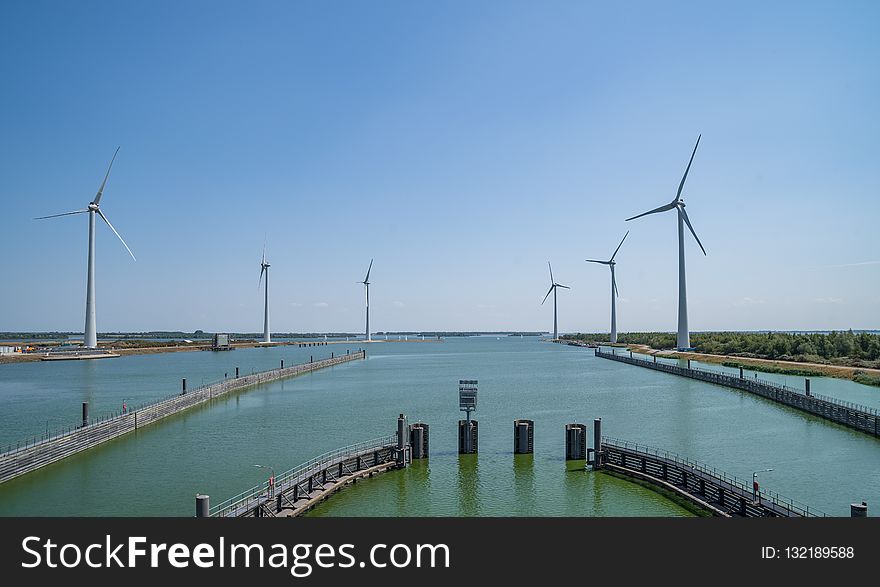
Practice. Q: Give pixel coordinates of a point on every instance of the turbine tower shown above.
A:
(366, 283)
(90, 338)
(683, 339)
(614, 293)
(553, 286)
(264, 268)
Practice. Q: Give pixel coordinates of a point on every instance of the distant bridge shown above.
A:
(861, 418)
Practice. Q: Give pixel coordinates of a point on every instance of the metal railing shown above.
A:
(797, 507)
(217, 388)
(733, 380)
(250, 498)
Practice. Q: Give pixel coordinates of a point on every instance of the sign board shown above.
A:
(467, 394)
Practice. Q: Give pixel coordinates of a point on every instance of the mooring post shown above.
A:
(858, 510)
(740, 372)
(85, 414)
(183, 385)
(311, 358)
(203, 506)
(282, 363)
(418, 440)
(523, 437)
(655, 358)
(689, 363)
(575, 442)
(597, 443)
(630, 354)
(401, 441)
(807, 386)
(332, 355)
(236, 372)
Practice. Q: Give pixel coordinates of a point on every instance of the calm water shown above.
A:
(157, 470)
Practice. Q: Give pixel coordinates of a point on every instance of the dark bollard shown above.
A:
(418, 440)
(183, 385)
(858, 510)
(311, 358)
(523, 437)
(575, 442)
(630, 354)
(807, 386)
(401, 441)
(655, 358)
(236, 372)
(740, 372)
(332, 355)
(85, 414)
(597, 443)
(282, 363)
(203, 506)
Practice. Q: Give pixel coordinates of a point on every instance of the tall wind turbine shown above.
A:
(90, 338)
(614, 293)
(553, 286)
(264, 268)
(683, 339)
(366, 283)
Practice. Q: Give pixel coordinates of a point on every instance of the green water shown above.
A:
(159, 469)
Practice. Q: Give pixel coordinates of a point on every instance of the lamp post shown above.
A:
(271, 479)
(755, 487)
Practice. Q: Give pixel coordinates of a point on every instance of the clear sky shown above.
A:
(460, 144)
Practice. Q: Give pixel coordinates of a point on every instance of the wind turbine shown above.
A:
(366, 283)
(264, 268)
(614, 293)
(90, 338)
(553, 286)
(683, 339)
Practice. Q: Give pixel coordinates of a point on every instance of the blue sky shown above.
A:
(460, 144)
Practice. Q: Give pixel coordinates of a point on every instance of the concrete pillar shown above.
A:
(858, 510)
(597, 443)
(523, 437)
(418, 440)
(203, 506)
(85, 414)
(807, 386)
(575, 442)
(183, 385)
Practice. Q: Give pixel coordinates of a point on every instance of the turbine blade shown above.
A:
(595, 261)
(684, 177)
(549, 291)
(620, 245)
(367, 278)
(262, 270)
(564, 286)
(100, 193)
(57, 215)
(551, 272)
(614, 283)
(104, 218)
(662, 208)
(688, 222)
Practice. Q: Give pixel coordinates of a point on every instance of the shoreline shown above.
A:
(37, 357)
(871, 376)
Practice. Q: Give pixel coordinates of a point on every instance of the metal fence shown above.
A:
(247, 500)
(744, 487)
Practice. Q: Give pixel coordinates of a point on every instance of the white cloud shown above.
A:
(398, 304)
(829, 300)
(321, 304)
(748, 301)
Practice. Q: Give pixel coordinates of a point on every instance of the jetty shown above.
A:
(29, 456)
(858, 417)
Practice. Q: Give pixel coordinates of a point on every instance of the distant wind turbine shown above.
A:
(366, 283)
(90, 338)
(683, 339)
(614, 293)
(264, 268)
(553, 286)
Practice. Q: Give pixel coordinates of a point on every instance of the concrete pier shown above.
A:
(523, 437)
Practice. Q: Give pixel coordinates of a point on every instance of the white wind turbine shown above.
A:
(553, 286)
(366, 283)
(683, 339)
(90, 338)
(264, 268)
(614, 293)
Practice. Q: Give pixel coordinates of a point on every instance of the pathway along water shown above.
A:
(158, 471)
